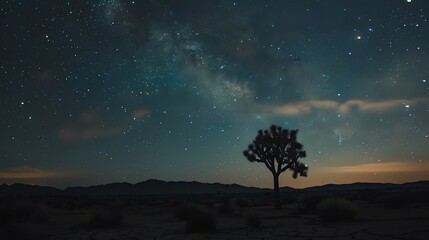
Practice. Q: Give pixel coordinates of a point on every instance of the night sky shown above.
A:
(93, 92)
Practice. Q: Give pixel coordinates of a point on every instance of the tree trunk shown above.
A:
(276, 192)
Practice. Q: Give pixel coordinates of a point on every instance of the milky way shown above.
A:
(103, 91)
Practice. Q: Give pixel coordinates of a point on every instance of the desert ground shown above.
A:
(366, 215)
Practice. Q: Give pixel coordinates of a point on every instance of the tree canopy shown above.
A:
(279, 150)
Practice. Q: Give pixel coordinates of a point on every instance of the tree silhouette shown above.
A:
(278, 149)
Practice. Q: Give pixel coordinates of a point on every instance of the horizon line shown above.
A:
(175, 181)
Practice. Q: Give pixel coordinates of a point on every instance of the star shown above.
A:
(143, 81)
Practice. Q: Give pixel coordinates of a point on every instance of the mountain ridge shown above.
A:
(160, 187)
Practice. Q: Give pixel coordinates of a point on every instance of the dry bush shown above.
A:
(309, 201)
(237, 205)
(198, 218)
(336, 209)
(201, 219)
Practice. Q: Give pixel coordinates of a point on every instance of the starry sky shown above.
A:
(93, 92)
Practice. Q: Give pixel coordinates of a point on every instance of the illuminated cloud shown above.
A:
(392, 167)
(28, 172)
(139, 113)
(70, 134)
(305, 107)
(87, 117)
(87, 125)
(379, 105)
(300, 108)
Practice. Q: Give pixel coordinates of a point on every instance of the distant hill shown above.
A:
(149, 187)
(370, 186)
(155, 187)
(158, 187)
(19, 189)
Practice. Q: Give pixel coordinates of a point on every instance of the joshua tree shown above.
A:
(278, 149)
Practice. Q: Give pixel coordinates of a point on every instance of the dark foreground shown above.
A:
(361, 214)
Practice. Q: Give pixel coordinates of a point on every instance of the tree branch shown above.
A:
(268, 166)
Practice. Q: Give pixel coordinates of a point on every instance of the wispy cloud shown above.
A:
(28, 172)
(379, 105)
(392, 167)
(305, 107)
(139, 113)
(86, 125)
(85, 133)
(299, 108)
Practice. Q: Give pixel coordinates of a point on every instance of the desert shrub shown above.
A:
(107, 216)
(198, 218)
(201, 219)
(336, 209)
(309, 201)
(237, 205)
(253, 219)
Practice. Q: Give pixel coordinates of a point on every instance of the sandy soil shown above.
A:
(158, 222)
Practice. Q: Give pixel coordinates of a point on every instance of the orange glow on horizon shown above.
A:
(27, 172)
